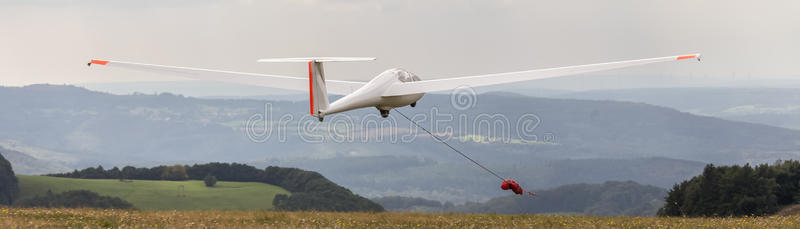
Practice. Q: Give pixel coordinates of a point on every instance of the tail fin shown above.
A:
(318, 93)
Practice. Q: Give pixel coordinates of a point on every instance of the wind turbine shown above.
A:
(390, 89)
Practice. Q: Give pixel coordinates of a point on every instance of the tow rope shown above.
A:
(507, 183)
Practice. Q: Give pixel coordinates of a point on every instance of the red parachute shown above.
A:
(510, 184)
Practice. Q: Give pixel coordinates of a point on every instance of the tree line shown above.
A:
(309, 190)
(736, 191)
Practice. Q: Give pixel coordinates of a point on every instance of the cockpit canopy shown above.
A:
(405, 76)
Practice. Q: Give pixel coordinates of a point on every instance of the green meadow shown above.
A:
(162, 195)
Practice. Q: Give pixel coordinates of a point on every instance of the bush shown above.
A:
(75, 199)
(210, 180)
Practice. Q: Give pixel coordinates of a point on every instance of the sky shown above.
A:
(49, 41)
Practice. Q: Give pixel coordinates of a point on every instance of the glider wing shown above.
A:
(264, 80)
(510, 77)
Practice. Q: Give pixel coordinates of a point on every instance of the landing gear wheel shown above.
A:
(319, 115)
(414, 104)
(384, 113)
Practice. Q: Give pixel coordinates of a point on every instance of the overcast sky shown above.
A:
(51, 41)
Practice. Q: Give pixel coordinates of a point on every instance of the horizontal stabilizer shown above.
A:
(317, 59)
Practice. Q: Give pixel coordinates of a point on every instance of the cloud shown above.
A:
(49, 41)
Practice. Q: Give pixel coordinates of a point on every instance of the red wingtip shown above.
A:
(100, 62)
(686, 57)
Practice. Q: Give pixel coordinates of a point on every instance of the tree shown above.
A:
(115, 173)
(210, 180)
(735, 191)
(8, 182)
(175, 172)
(709, 191)
(128, 172)
(674, 201)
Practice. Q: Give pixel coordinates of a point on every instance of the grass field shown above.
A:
(95, 218)
(162, 195)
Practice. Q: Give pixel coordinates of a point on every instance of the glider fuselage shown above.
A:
(371, 94)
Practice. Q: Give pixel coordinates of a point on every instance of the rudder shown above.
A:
(318, 93)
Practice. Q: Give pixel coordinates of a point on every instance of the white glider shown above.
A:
(390, 89)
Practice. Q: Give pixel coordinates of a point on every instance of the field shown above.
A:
(162, 195)
(94, 218)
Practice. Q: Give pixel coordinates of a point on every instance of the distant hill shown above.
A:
(33, 160)
(771, 106)
(412, 204)
(611, 198)
(458, 182)
(161, 195)
(592, 129)
(575, 140)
